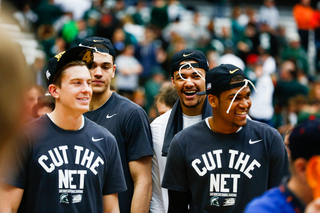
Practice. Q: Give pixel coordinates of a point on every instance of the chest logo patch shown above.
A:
(64, 198)
(95, 140)
(110, 116)
(214, 201)
(229, 202)
(253, 142)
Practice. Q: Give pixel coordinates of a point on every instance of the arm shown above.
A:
(156, 204)
(111, 203)
(10, 198)
(178, 201)
(141, 174)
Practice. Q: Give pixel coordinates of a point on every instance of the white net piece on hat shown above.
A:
(234, 97)
(189, 65)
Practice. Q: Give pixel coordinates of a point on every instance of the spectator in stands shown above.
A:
(315, 23)
(302, 13)
(268, 13)
(31, 97)
(165, 99)
(146, 52)
(296, 53)
(127, 72)
(46, 104)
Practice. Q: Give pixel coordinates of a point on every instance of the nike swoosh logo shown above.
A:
(110, 116)
(233, 71)
(185, 55)
(97, 40)
(95, 140)
(253, 142)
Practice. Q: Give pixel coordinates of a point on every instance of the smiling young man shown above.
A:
(224, 161)
(64, 162)
(128, 123)
(188, 68)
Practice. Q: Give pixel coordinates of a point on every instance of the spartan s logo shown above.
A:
(64, 198)
(214, 201)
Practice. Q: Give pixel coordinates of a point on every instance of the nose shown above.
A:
(245, 103)
(97, 72)
(189, 83)
(86, 88)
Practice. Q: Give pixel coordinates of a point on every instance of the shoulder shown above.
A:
(272, 201)
(95, 128)
(126, 104)
(161, 120)
(194, 131)
(253, 125)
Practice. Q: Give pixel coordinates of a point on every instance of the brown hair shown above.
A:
(57, 78)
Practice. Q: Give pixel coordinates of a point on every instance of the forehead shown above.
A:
(102, 58)
(233, 91)
(76, 72)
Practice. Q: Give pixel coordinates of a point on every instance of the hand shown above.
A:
(313, 207)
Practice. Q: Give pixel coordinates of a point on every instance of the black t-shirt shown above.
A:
(65, 171)
(223, 172)
(129, 124)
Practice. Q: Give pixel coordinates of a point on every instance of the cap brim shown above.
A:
(201, 93)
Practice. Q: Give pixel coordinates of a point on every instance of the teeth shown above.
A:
(241, 113)
(190, 92)
(84, 99)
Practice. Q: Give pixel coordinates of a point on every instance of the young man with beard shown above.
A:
(221, 163)
(129, 124)
(63, 161)
(188, 68)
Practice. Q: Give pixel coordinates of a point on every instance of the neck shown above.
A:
(300, 189)
(218, 126)
(98, 99)
(65, 120)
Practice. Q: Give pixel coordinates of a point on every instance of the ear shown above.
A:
(300, 169)
(54, 90)
(213, 100)
(114, 70)
(172, 81)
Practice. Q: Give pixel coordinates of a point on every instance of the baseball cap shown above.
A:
(304, 141)
(60, 60)
(189, 54)
(218, 79)
(88, 42)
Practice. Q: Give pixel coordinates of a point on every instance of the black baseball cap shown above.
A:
(218, 79)
(304, 141)
(100, 40)
(60, 60)
(189, 54)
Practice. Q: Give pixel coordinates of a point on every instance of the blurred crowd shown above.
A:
(146, 34)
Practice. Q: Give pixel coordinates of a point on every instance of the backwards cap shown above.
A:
(304, 141)
(60, 60)
(90, 41)
(189, 54)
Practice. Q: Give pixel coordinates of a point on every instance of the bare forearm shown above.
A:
(141, 198)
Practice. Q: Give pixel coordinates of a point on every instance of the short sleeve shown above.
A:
(138, 135)
(175, 174)
(114, 181)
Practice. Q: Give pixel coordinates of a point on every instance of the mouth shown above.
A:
(241, 114)
(84, 100)
(190, 94)
(97, 82)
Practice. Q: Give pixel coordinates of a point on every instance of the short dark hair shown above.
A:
(104, 47)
